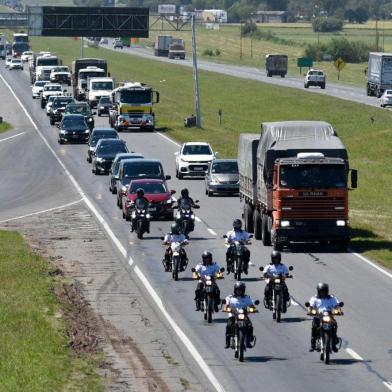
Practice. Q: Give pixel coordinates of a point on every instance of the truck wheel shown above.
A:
(269, 74)
(323, 86)
(265, 233)
(248, 218)
(257, 224)
(368, 91)
(342, 245)
(306, 85)
(282, 75)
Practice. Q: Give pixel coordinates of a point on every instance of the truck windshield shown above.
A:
(313, 176)
(146, 169)
(102, 86)
(47, 62)
(135, 96)
(91, 74)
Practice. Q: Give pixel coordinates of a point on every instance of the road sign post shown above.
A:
(339, 65)
(304, 62)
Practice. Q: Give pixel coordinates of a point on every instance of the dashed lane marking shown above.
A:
(388, 384)
(211, 231)
(353, 354)
(12, 137)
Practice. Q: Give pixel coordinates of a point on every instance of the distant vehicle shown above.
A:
(379, 73)
(386, 99)
(19, 47)
(222, 177)
(162, 45)
(116, 166)
(104, 41)
(126, 41)
(8, 49)
(8, 61)
(276, 64)
(315, 77)
(3, 51)
(177, 49)
(49, 104)
(105, 152)
(156, 192)
(58, 107)
(81, 108)
(16, 64)
(193, 159)
(73, 128)
(40, 62)
(26, 56)
(37, 88)
(60, 74)
(117, 43)
(20, 37)
(96, 135)
(97, 87)
(103, 106)
(48, 90)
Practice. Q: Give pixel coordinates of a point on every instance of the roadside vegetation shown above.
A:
(35, 353)
(245, 105)
(4, 126)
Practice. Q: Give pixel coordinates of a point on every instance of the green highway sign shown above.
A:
(304, 62)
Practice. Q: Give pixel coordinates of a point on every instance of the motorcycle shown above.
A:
(176, 248)
(185, 217)
(208, 292)
(279, 305)
(241, 322)
(140, 219)
(325, 337)
(238, 252)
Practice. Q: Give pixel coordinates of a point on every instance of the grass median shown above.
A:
(4, 126)
(34, 351)
(246, 104)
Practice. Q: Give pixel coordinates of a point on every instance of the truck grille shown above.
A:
(313, 208)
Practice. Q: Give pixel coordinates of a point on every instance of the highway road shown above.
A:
(280, 361)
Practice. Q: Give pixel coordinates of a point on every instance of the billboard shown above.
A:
(166, 9)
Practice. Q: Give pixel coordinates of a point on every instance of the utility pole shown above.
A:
(377, 33)
(241, 40)
(81, 47)
(195, 74)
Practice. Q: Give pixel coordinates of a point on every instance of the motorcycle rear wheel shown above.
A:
(278, 306)
(241, 344)
(175, 267)
(139, 229)
(326, 348)
(210, 303)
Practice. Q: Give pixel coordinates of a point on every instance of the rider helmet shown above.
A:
(322, 290)
(237, 224)
(239, 289)
(175, 228)
(139, 192)
(184, 192)
(207, 258)
(276, 257)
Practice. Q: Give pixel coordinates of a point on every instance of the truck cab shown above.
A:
(177, 49)
(83, 76)
(276, 64)
(60, 74)
(133, 107)
(98, 87)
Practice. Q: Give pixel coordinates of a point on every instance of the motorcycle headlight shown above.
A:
(241, 316)
(133, 215)
(326, 319)
(62, 131)
(87, 131)
(123, 188)
(148, 216)
(169, 201)
(277, 280)
(285, 223)
(192, 216)
(340, 223)
(90, 120)
(178, 215)
(208, 283)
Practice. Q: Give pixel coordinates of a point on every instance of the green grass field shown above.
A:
(34, 352)
(4, 126)
(245, 105)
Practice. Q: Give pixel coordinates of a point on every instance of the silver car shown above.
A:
(386, 99)
(222, 177)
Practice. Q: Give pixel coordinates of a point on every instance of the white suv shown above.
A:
(193, 159)
(315, 77)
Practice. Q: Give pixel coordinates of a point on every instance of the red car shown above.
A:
(156, 192)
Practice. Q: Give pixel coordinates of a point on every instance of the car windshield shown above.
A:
(388, 92)
(95, 138)
(61, 69)
(79, 109)
(52, 88)
(16, 61)
(74, 122)
(320, 73)
(51, 98)
(61, 102)
(225, 167)
(104, 100)
(102, 86)
(149, 187)
(40, 83)
(135, 96)
(111, 149)
(145, 169)
(313, 176)
(196, 150)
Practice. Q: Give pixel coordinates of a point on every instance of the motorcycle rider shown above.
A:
(237, 234)
(185, 198)
(174, 236)
(239, 301)
(321, 302)
(275, 268)
(142, 203)
(207, 268)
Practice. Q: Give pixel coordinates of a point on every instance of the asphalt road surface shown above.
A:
(280, 361)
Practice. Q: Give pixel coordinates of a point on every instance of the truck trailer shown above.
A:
(294, 184)
(276, 64)
(379, 73)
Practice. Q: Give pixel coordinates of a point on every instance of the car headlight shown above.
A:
(62, 131)
(124, 188)
(100, 160)
(90, 120)
(340, 223)
(285, 223)
(87, 131)
(183, 159)
(215, 179)
(102, 107)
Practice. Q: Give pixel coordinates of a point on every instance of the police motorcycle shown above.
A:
(279, 305)
(185, 217)
(208, 292)
(175, 251)
(324, 340)
(238, 254)
(140, 219)
(241, 322)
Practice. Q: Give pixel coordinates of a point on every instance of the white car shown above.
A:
(26, 56)
(37, 88)
(386, 99)
(15, 64)
(48, 90)
(315, 77)
(104, 41)
(8, 61)
(49, 104)
(193, 159)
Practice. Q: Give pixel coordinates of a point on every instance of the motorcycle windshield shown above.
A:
(185, 205)
(140, 204)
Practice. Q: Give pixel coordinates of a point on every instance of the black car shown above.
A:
(105, 152)
(57, 109)
(104, 105)
(82, 108)
(73, 128)
(96, 134)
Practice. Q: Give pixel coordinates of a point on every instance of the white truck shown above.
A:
(60, 74)
(3, 49)
(379, 73)
(83, 76)
(98, 87)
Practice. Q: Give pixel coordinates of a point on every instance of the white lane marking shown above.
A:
(211, 231)
(388, 384)
(374, 265)
(131, 261)
(169, 139)
(353, 354)
(195, 354)
(197, 219)
(11, 137)
(185, 340)
(42, 211)
(294, 302)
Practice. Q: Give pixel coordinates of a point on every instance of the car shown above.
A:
(95, 136)
(315, 77)
(37, 88)
(193, 159)
(15, 64)
(73, 128)
(50, 89)
(133, 169)
(26, 56)
(103, 41)
(116, 166)
(8, 48)
(104, 154)
(49, 104)
(103, 106)
(60, 75)
(117, 43)
(8, 61)
(81, 108)
(386, 99)
(222, 177)
(156, 192)
(57, 108)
